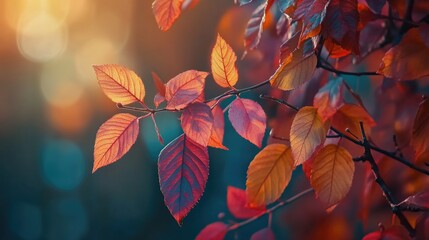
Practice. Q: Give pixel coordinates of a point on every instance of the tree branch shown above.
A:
(272, 209)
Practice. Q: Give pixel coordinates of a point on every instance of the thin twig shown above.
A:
(270, 210)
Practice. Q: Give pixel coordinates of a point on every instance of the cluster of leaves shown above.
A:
(312, 32)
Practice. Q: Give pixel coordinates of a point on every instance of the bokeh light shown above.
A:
(63, 165)
(25, 220)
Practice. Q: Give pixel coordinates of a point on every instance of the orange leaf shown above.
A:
(248, 119)
(184, 89)
(407, 60)
(332, 174)
(223, 66)
(218, 129)
(166, 12)
(268, 174)
(159, 85)
(114, 138)
(120, 84)
(197, 122)
(294, 71)
(349, 116)
(420, 139)
(307, 133)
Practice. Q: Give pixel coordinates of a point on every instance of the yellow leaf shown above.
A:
(332, 174)
(223, 66)
(120, 84)
(114, 138)
(268, 175)
(294, 71)
(307, 133)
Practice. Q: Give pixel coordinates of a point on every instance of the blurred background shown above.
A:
(51, 107)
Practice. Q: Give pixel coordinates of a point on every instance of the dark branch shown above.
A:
(330, 69)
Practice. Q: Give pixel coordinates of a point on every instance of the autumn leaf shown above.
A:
(114, 138)
(422, 226)
(216, 137)
(329, 98)
(335, 50)
(184, 89)
(307, 133)
(213, 231)
(120, 84)
(407, 60)
(236, 200)
(159, 85)
(395, 232)
(349, 116)
(183, 168)
(294, 71)
(197, 122)
(158, 99)
(284, 5)
(223, 66)
(248, 119)
(420, 133)
(263, 234)
(341, 23)
(417, 201)
(332, 174)
(376, 5)
(312, 13)
(253, 32)
(289, 46)
(268, 174)
(166, 12)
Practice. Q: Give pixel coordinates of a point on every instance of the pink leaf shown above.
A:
(197, 122)
(248, 119)
(236, 199)
(183, 168)
(213, 231)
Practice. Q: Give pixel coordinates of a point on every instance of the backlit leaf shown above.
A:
(184, 89)
(307, 133)
(197, 122)
(253, 32)
(213, 231)
(312, 13)
(159, 85)
(263, 234)
(223, 66)
(332, 174)
(166, 12)
(248, 119)
(120, 84)
(268, 174)
(216, 138)
(329, 98)
(158, 99)
(236, 200)
(294, 71)
(114, 138)
(349, 116)
(407, 60)
(183, 168)
(420, 137)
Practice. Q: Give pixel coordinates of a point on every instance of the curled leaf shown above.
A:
(114, 138)
(268, 174)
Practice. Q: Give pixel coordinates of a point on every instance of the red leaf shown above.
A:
(166, 12)
(184, 89)
(422, 226)
(159, 85)
(197, 122)
(237, 204)
(183, 168)
(213, 231)
(263, 234)
(312, 13)
(218, 129)
(253, 32)
(376, 5)
(420, 139)
(341, 23)
(248, 119)
(329, 98)
(393, 233)
(114, 138)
